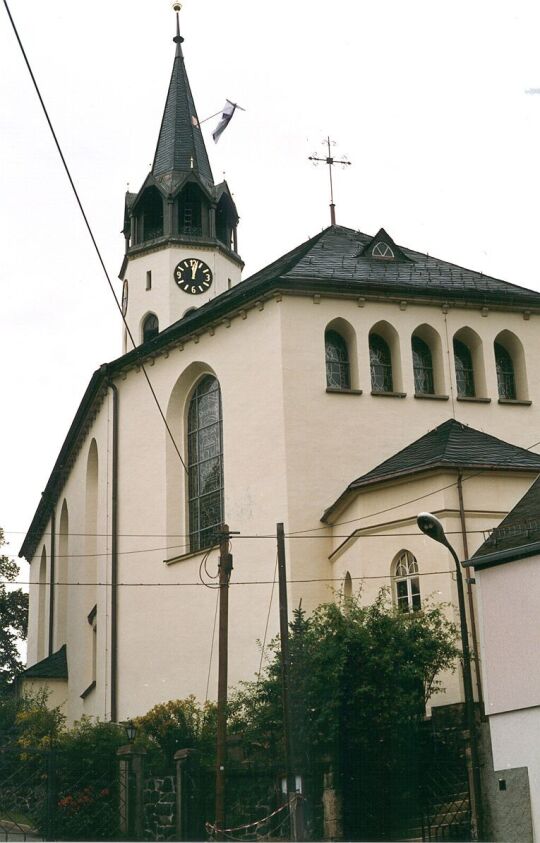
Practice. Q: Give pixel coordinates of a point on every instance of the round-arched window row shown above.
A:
(468, 364)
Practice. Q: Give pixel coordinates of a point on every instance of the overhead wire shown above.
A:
(267, 620)
(91, 233)
(200, 584)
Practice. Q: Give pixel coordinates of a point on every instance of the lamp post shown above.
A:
(431, 526)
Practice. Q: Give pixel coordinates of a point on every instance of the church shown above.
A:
(345, 387)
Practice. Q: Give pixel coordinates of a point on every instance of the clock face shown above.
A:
(124, 297)
(193, 276)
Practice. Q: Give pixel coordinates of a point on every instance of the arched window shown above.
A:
(464, 370)
(422, 367)
(380, 362)
(407, 582)
(506, 381)
(150, 327)
(337, 361)
(205, 464)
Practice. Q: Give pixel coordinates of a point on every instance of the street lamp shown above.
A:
(131, 731)
(431, 526)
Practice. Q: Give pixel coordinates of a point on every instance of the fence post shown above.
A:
(188, 819)
(333, 808)
(131, 762)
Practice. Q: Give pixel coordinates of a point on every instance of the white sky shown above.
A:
(426, 98)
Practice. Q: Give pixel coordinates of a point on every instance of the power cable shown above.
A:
(212, 648)
(267, 620)
(235, 583)
(89, 228)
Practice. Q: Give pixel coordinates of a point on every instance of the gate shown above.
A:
(446, 813)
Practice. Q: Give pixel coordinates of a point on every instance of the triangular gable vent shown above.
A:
(382, 247)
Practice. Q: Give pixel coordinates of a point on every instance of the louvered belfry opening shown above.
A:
(149, 216)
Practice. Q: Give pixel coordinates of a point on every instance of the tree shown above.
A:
(13, 620)
(360, 680)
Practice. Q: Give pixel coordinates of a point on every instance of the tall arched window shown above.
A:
(506, 381)
(380, 362)
(407, 582)
(337, 361)
(205, 464)
(464, 370)
(422, 367)
(150, 327)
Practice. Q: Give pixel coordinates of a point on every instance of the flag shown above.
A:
(228, 110)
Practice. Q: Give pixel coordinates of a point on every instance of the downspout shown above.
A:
(51, 580)
(469, 592)
(114, 557)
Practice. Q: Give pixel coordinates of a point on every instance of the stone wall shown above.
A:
(160, 808)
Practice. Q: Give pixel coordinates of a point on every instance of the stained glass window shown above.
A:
(337, 361)
(380, 362)
(505, 372)
(464, 370)
(205, 464)
(407, 582)
(422, 367)
(150, 327)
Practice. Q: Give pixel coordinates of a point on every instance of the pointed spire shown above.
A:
(180, 147)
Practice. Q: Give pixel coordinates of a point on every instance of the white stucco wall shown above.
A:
(290, 448)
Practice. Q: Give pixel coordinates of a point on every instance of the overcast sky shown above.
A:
(426, 98)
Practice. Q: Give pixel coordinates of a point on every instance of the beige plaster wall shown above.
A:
(290, 449)
(56, 689)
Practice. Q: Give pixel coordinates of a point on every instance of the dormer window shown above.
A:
(382, 250)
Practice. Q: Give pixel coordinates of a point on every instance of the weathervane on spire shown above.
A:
(330, 160)
(177, 8)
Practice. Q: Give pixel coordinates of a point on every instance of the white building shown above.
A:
(507, 571)
(275, 393)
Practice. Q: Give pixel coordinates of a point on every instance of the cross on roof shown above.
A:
(330, 160)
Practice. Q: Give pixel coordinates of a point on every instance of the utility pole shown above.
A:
(225, 568)
(294, 813)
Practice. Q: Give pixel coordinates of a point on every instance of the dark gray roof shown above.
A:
(344, 256)
(453, 445)
(180, 146)
(53, 667)
(520, 528)
(450, 445)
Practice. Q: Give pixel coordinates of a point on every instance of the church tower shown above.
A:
(180, 228)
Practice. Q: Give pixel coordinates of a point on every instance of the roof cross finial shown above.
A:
(330, 160)
(177, 38)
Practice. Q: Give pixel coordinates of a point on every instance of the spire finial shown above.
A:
(177, 8)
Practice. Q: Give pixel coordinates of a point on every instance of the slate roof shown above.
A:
(341, 255)
(450, 445)
(519, 530)
(180, 145)
(52, 667)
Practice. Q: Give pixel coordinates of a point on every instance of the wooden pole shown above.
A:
(225, 568)
(285, 676)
